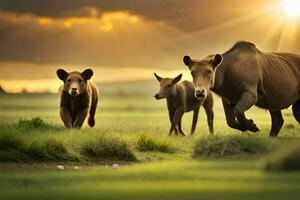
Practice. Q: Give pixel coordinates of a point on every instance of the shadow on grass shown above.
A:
(285, 159)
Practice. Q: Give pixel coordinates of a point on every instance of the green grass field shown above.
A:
(132, 131)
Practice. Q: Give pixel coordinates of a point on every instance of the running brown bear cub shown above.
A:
(180, 99)
(79, 96)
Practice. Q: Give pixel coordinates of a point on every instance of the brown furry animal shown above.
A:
(180, 99)
(244, 76)
(79, 97)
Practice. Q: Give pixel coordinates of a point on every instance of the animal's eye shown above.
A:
(69, 80)
(208, 72)
(80, 80)
(169, 85)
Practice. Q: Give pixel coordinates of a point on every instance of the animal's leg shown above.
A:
(195, 119)
(176, 130)
(179, 127)
(177, 116)
(230, 118)
(80, 117)
(246, 101)
(66, 116)
(208, 107)
(91, 120)
(171, 116)
(296, 110)
(277, 122)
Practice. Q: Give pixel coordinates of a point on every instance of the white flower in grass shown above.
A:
(116, 166)
(60, 167)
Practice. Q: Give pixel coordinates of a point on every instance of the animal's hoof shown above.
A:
(243, 128)
(91, 122)
(253, 128)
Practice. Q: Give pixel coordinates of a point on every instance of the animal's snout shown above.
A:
(157, 96)
(74, 91)
(200, 93)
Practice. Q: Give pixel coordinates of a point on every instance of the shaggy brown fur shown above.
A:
(180, 99)
(244, 76)
(79, 97)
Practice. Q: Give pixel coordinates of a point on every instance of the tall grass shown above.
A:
(15, 146)
(152, 143)
(234, 145)
(36, 123)
(106, 147)
(34, 140)
(50, 150)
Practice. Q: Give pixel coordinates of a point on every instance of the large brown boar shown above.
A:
(244, 76)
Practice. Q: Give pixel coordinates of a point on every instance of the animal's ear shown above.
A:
(87, 74)
(157, 77)
(187, 61)
(216, 60)
(177, 78)
(62, 74)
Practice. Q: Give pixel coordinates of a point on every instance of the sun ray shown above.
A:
(274, 30)
(234, 22)
(288, 36)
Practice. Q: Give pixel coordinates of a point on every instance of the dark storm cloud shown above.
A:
(185, 14)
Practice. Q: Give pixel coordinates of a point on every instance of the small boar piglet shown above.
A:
(181, 98)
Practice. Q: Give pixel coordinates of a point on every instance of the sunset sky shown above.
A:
(129, 39)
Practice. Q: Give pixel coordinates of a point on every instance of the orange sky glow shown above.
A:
(131, 41)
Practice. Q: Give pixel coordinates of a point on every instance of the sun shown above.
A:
(291, 8)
